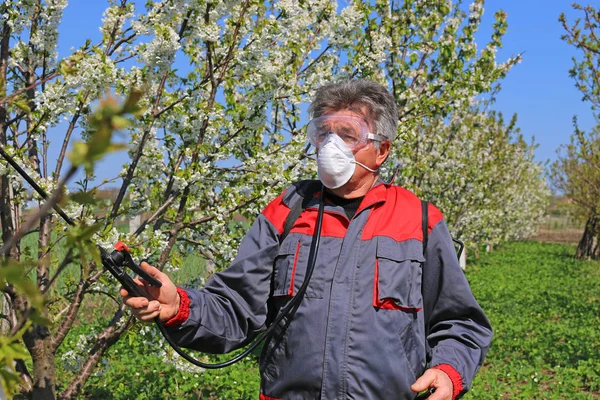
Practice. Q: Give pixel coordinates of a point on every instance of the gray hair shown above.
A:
(357, 95)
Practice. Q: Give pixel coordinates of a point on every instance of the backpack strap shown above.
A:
(306, 194)
(424, 223)
(424, 227)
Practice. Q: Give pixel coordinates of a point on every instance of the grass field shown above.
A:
(544, 307)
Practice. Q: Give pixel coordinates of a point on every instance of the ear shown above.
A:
(382, 152)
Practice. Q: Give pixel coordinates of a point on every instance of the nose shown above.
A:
(323, 137)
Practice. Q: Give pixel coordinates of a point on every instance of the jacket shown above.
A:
(376, 313)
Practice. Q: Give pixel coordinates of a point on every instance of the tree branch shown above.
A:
(44, 210)
(107, 338)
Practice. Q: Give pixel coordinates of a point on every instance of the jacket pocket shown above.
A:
(285, 268)
(397, 276)
(290, 270)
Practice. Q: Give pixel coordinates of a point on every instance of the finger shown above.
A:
(141, 317)
(148, 313)
(441, 394)
(140, 282)
(424, 382)
(148, 317)
(155, 272)
(136, 302)
(147, 285)
(425, 394)
(153, 307)
(123, 292)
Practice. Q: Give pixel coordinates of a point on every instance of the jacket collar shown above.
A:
(377, 194)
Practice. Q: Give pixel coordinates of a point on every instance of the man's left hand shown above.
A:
(434, 378)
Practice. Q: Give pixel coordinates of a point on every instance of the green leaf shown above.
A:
(118, 122)
(85, 198)
(82, 232)
(10, 381)
(116, 147)
(13, 272)
(69, 67)
(22, 105)
(79, 154)
(37, 318)
(131, 103)
(2, 86)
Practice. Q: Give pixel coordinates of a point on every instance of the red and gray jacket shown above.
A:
(360, 330)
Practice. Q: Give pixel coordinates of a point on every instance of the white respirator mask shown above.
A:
(336, 162)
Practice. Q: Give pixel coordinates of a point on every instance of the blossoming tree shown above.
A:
(222, 136)
(481, 172)
(576, 172)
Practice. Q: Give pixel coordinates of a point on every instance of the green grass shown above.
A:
(544, 307)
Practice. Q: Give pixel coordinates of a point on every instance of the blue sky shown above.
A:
(539, 90)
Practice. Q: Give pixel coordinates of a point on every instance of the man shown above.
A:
(380, 318)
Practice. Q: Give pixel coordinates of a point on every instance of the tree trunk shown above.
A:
(38, 339)
(6, 215)
(39, 343)
(589, 247)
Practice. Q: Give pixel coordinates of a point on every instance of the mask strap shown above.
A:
(365, 167)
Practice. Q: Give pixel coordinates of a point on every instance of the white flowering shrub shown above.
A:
(224, 135)
(481, 173)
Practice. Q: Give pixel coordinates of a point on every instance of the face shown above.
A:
(353, 131)
(368, 154)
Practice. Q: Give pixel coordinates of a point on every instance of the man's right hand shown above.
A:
(162, 302)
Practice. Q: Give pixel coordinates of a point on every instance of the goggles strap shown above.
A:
(377, 137)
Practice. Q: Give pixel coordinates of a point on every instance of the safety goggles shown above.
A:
(352, 130)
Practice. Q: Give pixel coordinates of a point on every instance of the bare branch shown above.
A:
(44, 210)
(63, 150)
(32, 86)
(161, 210)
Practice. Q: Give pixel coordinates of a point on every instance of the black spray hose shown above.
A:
(33, 184)
(312, 258)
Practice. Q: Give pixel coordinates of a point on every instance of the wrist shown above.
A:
(181, 312)
(455, 377)
(174, 308)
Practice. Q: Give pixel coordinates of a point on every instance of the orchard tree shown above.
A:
(576, 173)
(221, 136)
(583, 35)
(481, 172)
(450, 150)
(577, 170)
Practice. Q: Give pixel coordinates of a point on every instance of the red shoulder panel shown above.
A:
(399, 217)
(334, 225)
(276, 212)
(265, 397)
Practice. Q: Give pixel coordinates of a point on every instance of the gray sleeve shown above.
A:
(459, 332)
(231, 309)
